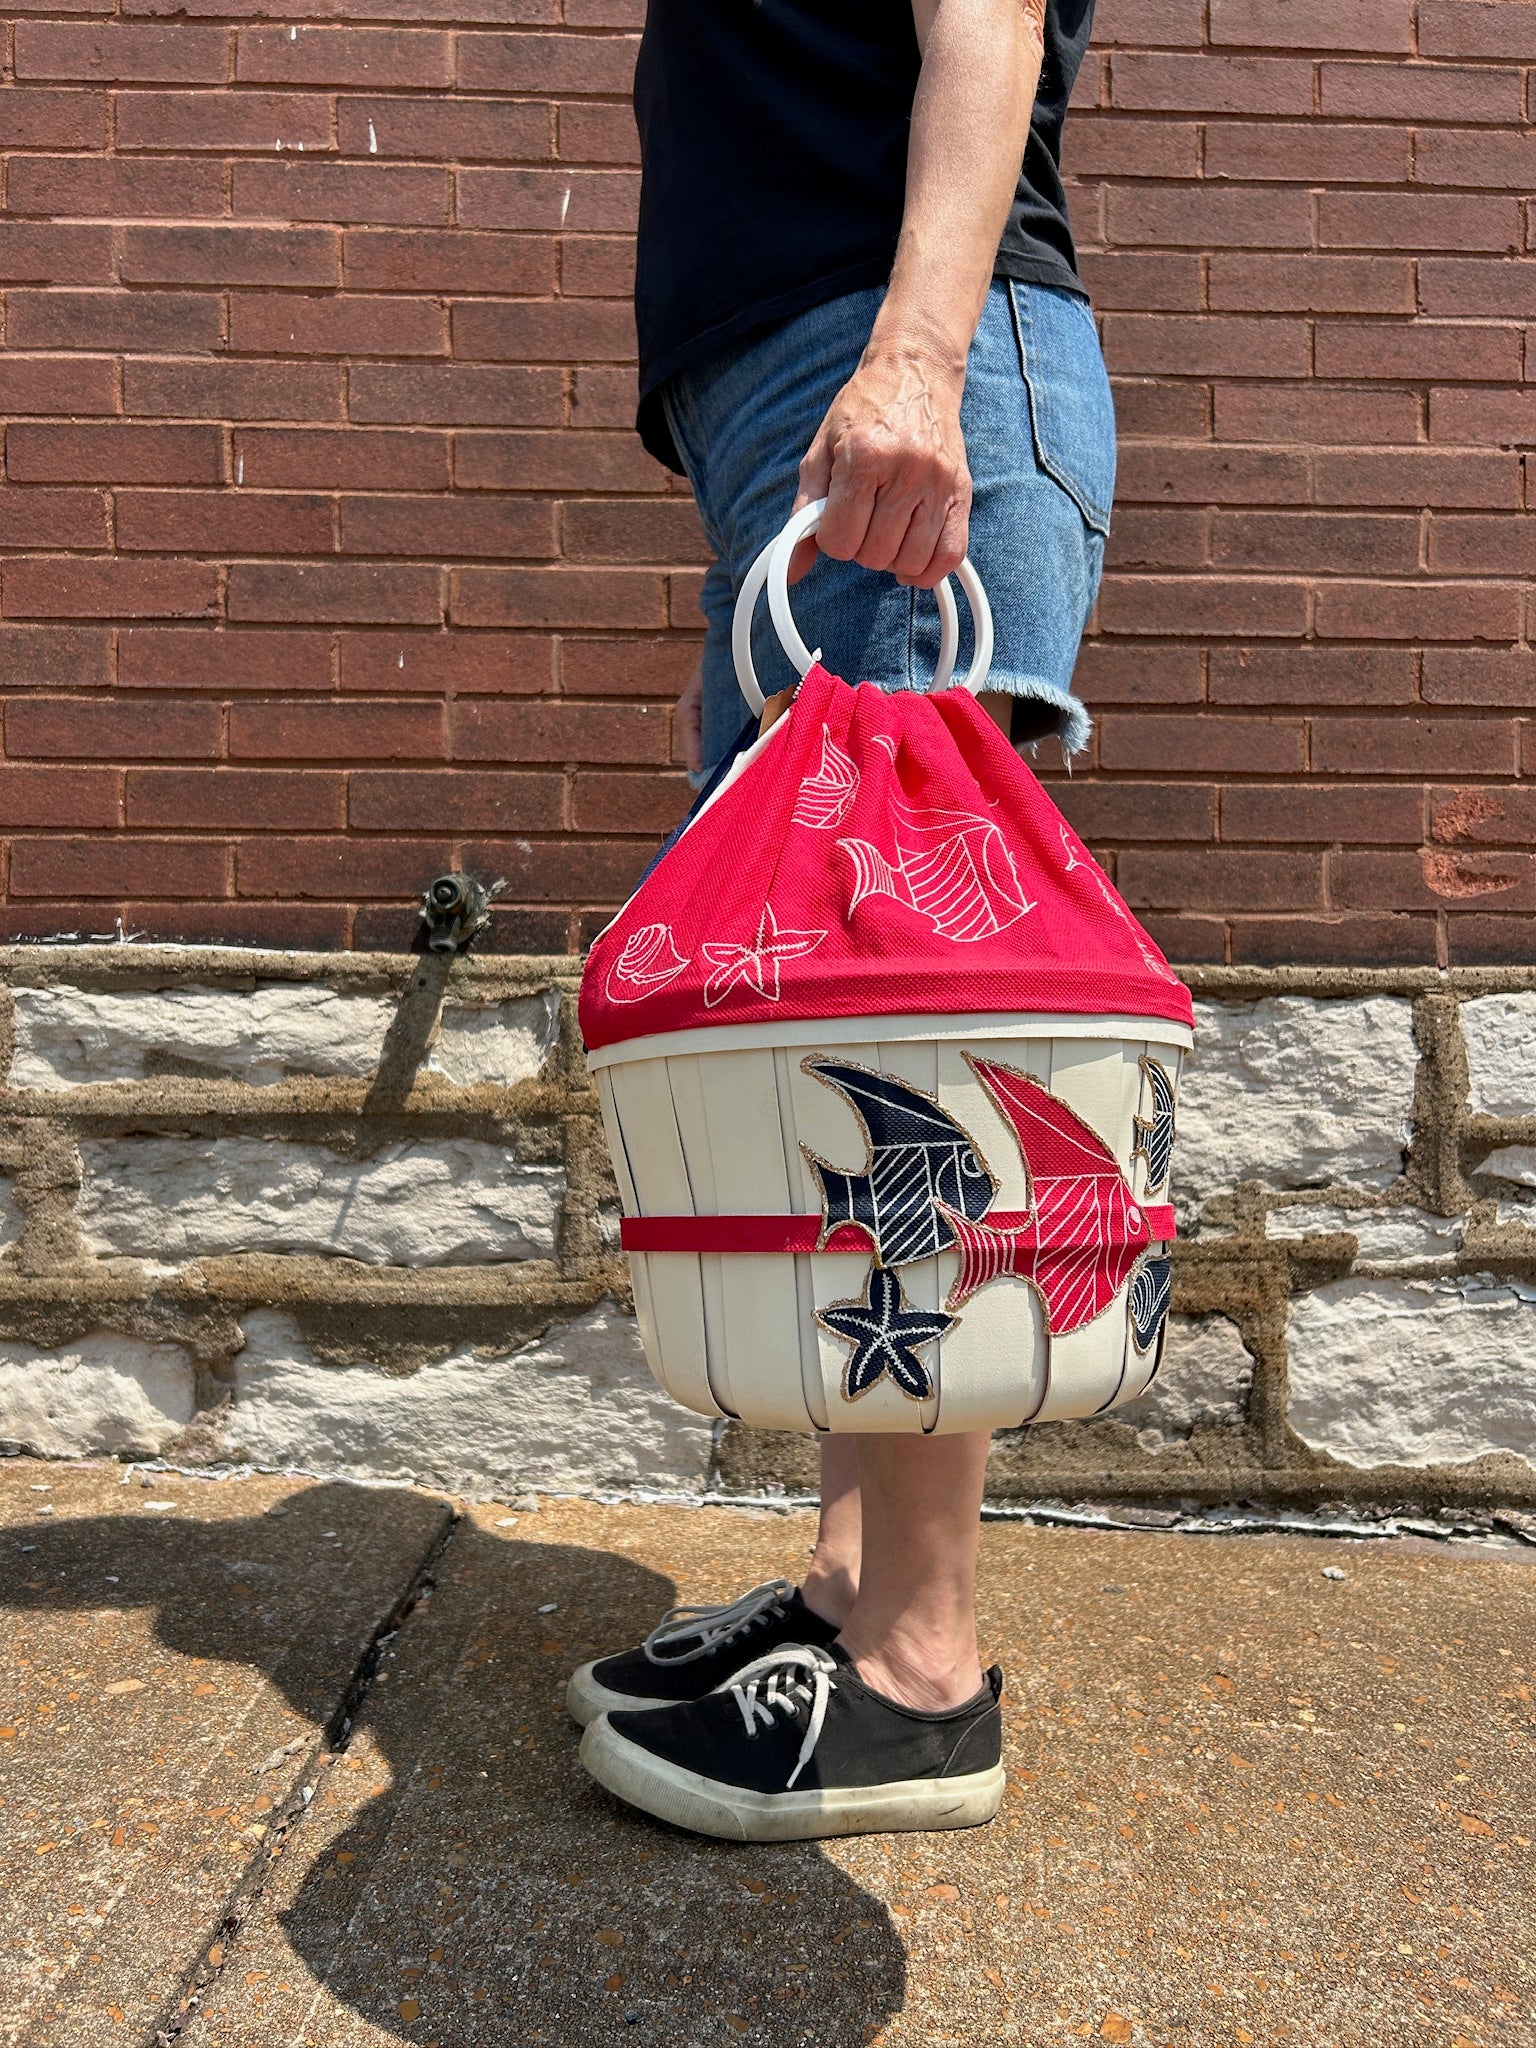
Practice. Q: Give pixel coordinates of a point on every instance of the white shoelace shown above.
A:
(778, 1682)
(712, 1626)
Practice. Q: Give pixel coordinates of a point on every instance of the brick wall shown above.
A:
(329, 557)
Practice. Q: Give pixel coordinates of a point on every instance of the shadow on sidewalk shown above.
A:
(458, 1880)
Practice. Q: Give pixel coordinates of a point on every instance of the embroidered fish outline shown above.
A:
(649, 960)
(1154, 1134)
(952, 867)
(825, 798)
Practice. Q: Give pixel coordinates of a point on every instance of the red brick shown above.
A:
(515, 930)
(1477, 675)
(560, 870)
(1212, 84)
(1416, 476)
(357, 593)
(112, 729)
(1481, 816)
(113, 186)
(1111, 674)
(596, 132)
(1451, 28)
(1334, 941)
(1150, 411)
(1158, 344)
(407, 194)
(1469, 286)
(1200, 745)
(632, 530)
(1431, 879)
(77, 797)
(42, 117)
(222, 121)
(1106, 144)
(446, 260)
(344, 56)
(1139, 24)
(1313, 152)
(456, 800)
(1326, 542)
(121, 53)
(628, 803)
(352, 729)
(229, 255)
(1213, 216)
(338, 867)
(441, 528)
(1144, 282)
(454, 394)
(1417, 351)
(500, 664)
(340, 458)
(311, 929)
(531, 731)
(1302, 413)
(556, 597)
(1475, 941)
(1203, 605)
(71, 385)
(1106, 811)
(1361, 811)
(1413, 746)
(1378, 610)
(1420, 92)
(237, 799)
(1473, 156)
(1484, 419)
(102, 867)
(114, 452)
(1417, 220)
(1310, 284)
(445, 131)
(169, 389)
(172, 658)
(287, 324)
(547, 64)
(604, 398)
(32, 253)
(1152, 472)
(597, 266)
(1188, 941)
(55, 657)
(1311, 676)
(223, 522)
(554, 462)
(70, 587)
(1092, 86)
(186, 321)
(1214, 880)
(627, 667)
(600, 201)
(1355, 26)
(40, 518)
(604, 13)
(685, 598)
(561, 331)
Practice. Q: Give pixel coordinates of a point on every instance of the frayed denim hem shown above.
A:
(1073, 727)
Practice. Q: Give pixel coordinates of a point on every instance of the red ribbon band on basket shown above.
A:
(804, 1233)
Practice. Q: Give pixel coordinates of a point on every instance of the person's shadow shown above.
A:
(469, 1886)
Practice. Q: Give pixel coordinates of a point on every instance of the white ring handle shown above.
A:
(772, 568)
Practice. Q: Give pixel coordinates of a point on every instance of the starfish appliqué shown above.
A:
(885, 1333)
(757, 965)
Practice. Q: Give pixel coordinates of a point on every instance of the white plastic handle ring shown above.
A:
(772, 568)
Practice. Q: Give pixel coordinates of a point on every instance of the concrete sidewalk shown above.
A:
(249, 1806)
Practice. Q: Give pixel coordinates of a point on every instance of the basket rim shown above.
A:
(834, 1031)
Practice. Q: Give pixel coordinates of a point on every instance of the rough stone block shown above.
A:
(1512, 1162)
(500, 1042)
(575, 1412)
(1414, 1372)
(1203, 1382)
(419, 1202)
(1500, 1036)
(108, 1394)
(1380, 1233)
(69, 1036)
(1295, 1093)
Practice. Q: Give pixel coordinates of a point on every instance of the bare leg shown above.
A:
(831, 1580)
(912, 1631)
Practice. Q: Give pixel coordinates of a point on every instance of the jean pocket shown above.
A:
(1072, 414)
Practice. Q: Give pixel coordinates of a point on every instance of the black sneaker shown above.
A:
(796, 1746)
(691, 1650)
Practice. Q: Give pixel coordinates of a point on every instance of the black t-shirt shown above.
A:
(773, 143)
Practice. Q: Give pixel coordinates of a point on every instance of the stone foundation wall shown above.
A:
(353, 1213)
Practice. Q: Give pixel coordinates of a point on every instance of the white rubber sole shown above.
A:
(688, 1800)
(585, 1698)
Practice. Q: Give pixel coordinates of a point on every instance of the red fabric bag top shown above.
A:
(875, 854)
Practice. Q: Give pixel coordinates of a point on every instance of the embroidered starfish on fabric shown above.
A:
(885, 1333)
(756, 965)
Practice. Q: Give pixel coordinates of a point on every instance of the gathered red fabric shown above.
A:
(876, 854)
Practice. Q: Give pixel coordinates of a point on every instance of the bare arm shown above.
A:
(889, 457)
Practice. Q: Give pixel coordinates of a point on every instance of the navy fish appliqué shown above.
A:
(918, 1155)
(1154, 1134)
(1150, 1292)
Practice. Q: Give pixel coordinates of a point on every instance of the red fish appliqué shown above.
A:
(1084, 1229)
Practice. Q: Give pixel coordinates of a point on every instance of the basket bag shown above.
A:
(888, 1072)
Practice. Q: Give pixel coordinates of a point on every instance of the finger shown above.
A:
(913, 563)
(815, 473)
(851, 495)
(895, 507)
(954, 539)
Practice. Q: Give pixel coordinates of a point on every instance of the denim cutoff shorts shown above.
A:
(1039, 432)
